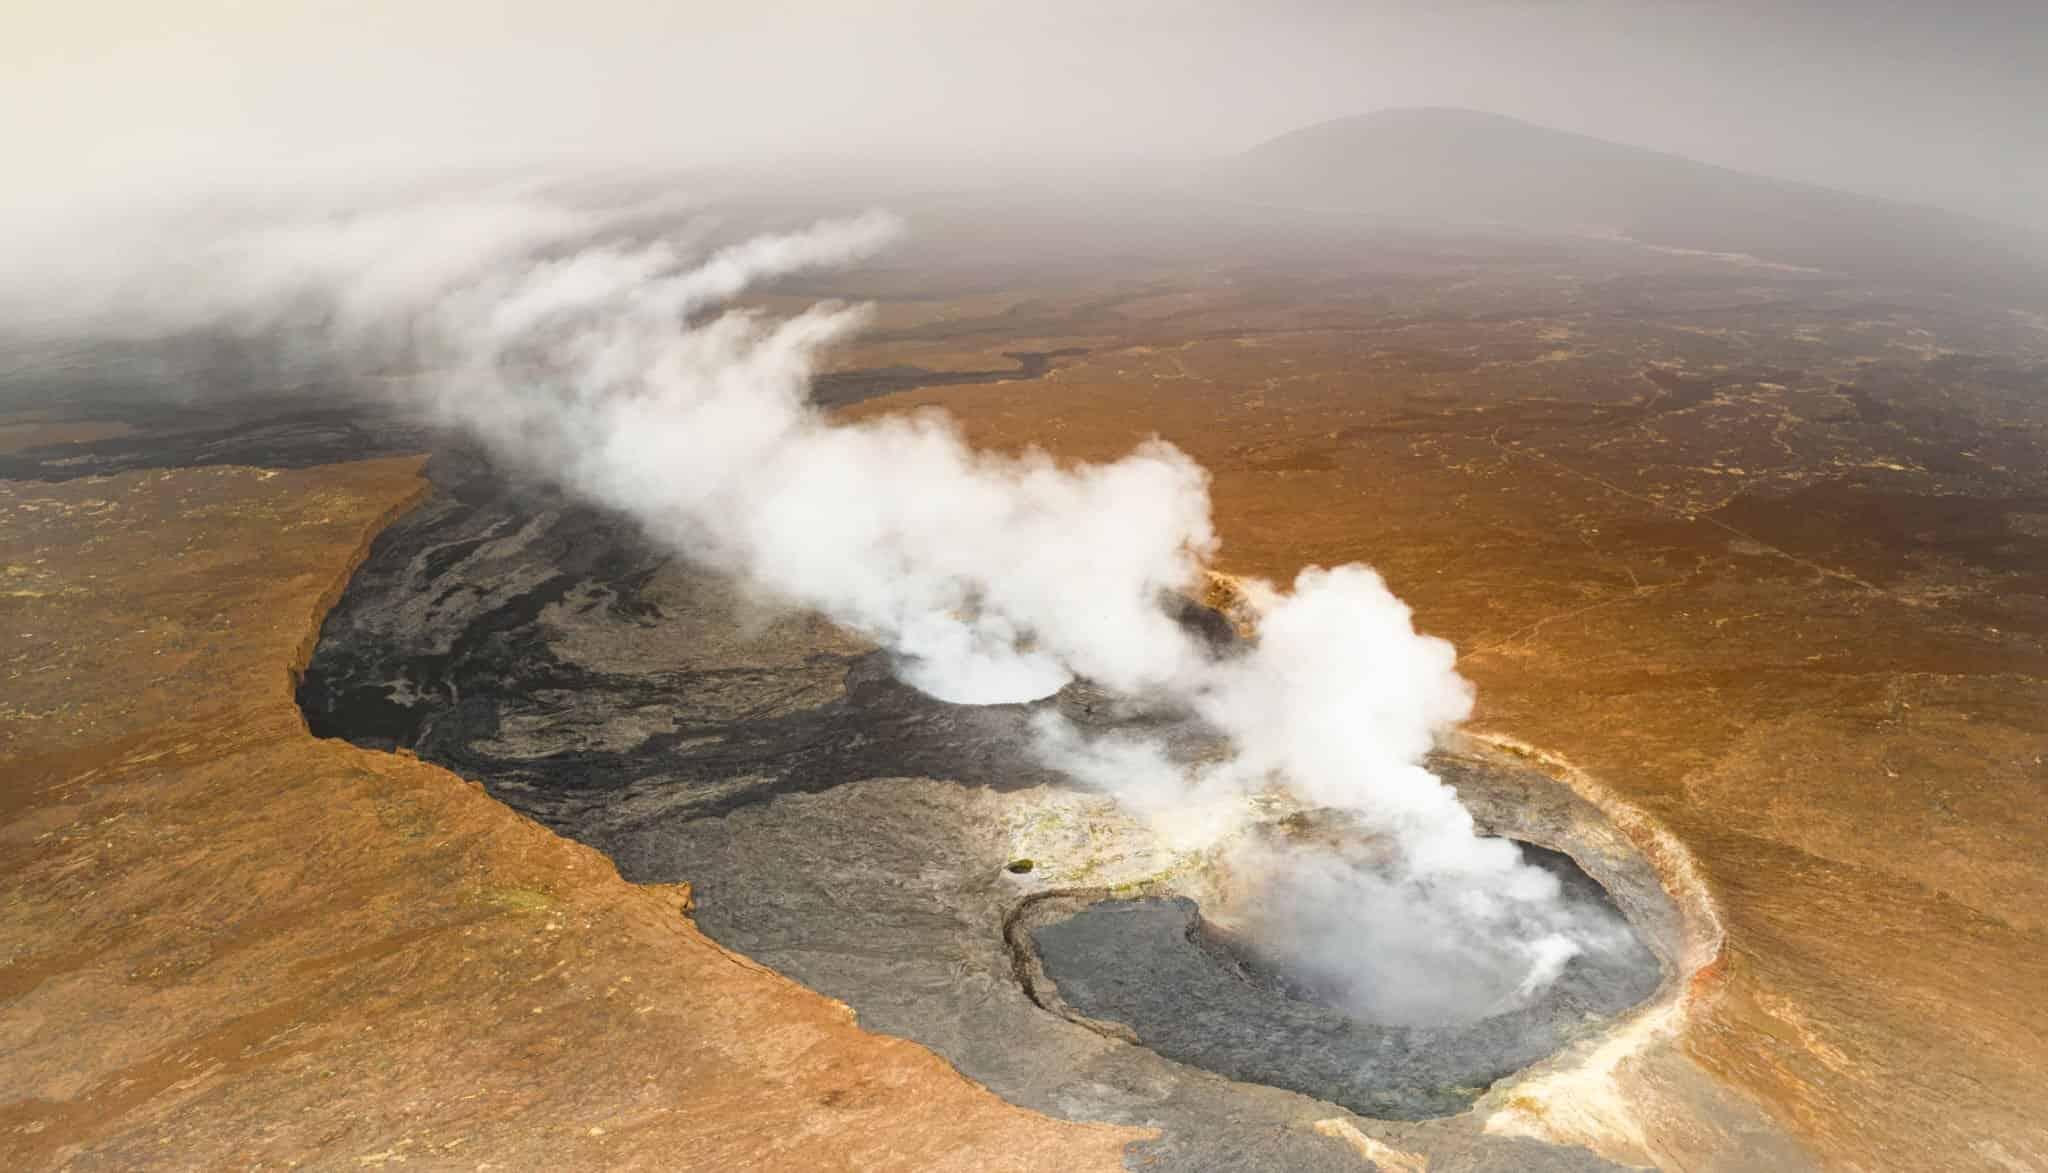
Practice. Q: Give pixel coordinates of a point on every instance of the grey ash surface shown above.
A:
(266, 437)
(837, 825)
(226, 422)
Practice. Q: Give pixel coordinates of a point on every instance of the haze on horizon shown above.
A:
(107, 102)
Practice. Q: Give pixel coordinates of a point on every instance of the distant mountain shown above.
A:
(1467, 167)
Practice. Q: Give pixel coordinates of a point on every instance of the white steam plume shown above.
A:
(613, 369)
(993, 578)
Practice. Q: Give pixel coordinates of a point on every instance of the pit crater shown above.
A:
(1145, 966)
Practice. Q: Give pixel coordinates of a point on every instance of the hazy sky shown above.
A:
(1945, 103)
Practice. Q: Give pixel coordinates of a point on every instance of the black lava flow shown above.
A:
(444, 639)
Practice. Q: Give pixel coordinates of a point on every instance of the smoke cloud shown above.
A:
(612, 363)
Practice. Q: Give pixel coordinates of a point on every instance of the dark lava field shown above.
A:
(854, 833)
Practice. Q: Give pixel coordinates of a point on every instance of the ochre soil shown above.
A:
(225, 943)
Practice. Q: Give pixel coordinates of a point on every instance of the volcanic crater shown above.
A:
(863, 838)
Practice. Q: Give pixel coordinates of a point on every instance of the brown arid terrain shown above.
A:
(1753, 558)
(226, 944)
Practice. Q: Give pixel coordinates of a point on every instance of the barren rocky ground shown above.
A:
(1750, 567)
